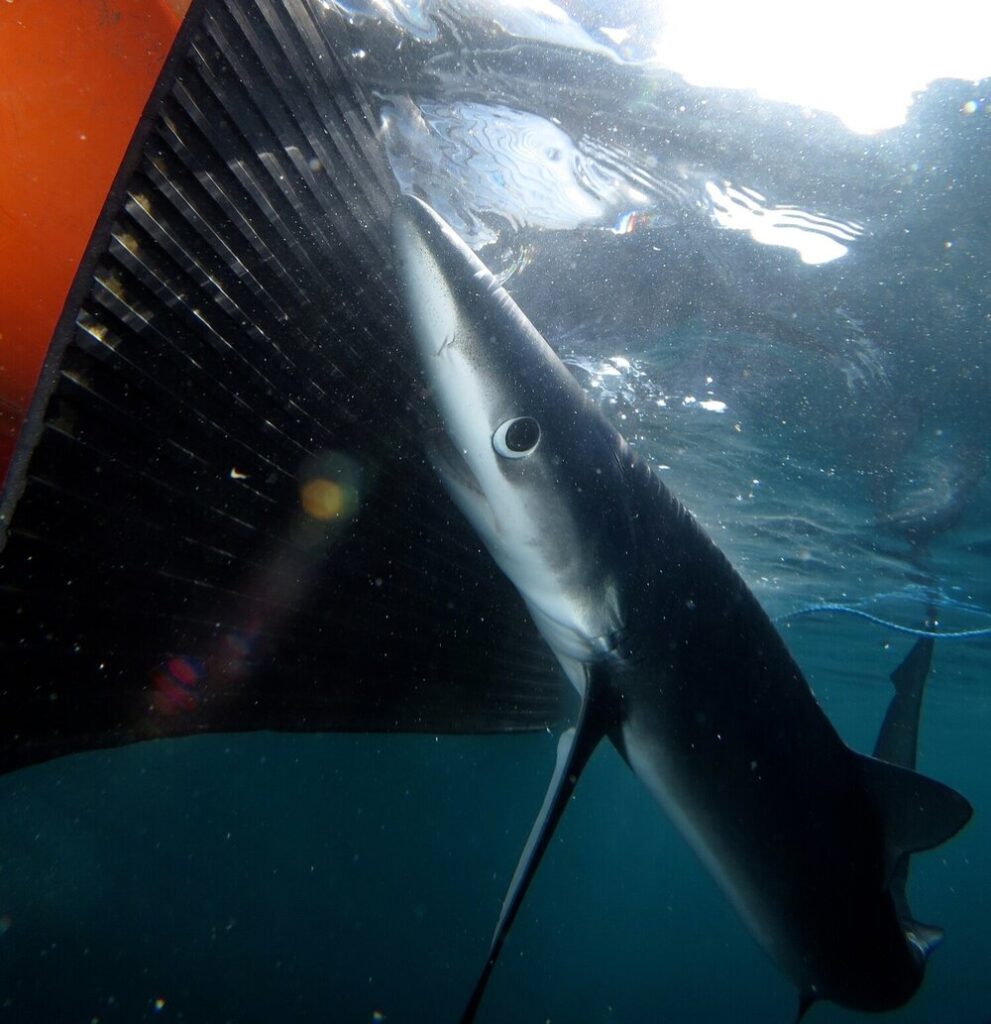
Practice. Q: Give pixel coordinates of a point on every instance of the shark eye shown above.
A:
(517, 438)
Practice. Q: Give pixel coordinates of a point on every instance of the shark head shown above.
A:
(528, 459)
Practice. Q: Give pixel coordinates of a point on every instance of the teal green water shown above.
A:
(327, 878)
(826, 423)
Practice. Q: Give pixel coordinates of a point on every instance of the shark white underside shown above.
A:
(674, 660)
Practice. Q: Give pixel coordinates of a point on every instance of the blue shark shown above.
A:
(673, 658)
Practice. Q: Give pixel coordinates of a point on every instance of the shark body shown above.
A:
(674, 660)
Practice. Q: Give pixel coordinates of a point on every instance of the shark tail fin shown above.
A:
(919, 813)
(575, 746)
(897, 740)
(912, 672)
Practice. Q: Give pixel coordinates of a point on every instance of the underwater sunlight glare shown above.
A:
(861, 62)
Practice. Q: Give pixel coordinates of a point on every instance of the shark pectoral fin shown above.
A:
(924, 937)
(574, 748)
(919, 813)
(898, 737)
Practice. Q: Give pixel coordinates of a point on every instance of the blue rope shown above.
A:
(845, 609)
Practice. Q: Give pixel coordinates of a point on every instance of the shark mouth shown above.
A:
(450, 463)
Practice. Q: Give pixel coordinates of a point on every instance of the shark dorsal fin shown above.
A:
(918, 812)
(574, 748)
